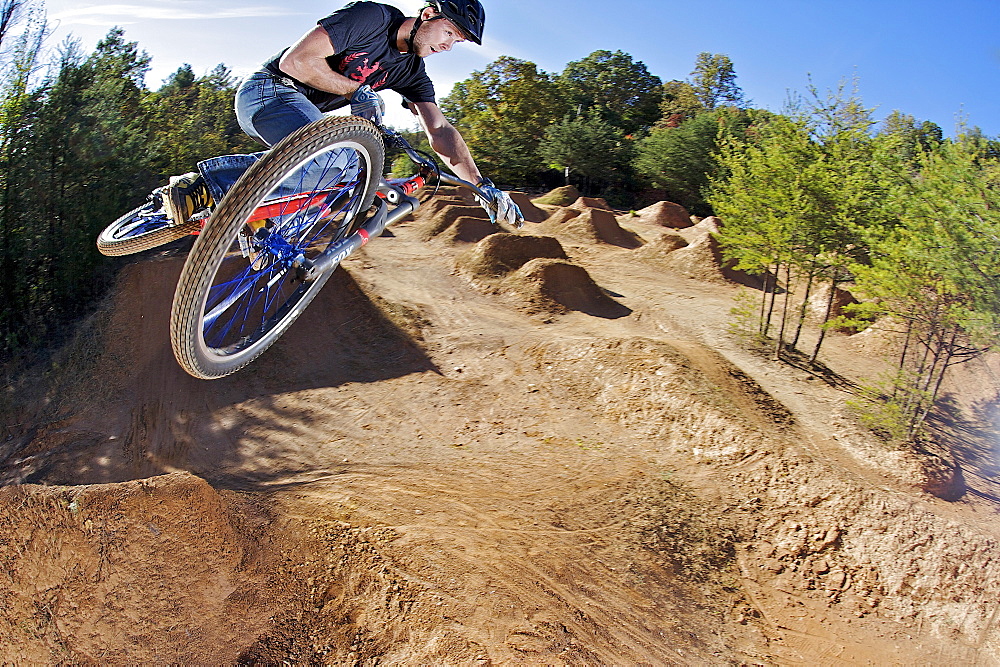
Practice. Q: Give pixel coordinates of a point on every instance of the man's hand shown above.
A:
(499, 204)
(366, 103)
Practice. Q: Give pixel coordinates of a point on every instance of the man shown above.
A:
(345, 59)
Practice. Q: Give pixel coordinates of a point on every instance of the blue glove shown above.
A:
(499, 204)
(366, 103)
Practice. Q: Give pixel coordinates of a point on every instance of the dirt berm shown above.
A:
(488, 448)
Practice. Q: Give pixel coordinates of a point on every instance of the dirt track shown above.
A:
(561, 460)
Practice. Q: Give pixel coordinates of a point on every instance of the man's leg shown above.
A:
(268, 110)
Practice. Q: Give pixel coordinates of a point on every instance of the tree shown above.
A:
(618, 88)
(935, 274)
(587, 145)
(19, 57)
(795, 202)
(680, 103)
(502, 113)
(714, 81)
(912, 139)
(192, 119)
(74, 167)
(682, 159)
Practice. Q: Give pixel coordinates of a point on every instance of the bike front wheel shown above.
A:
(243, 283)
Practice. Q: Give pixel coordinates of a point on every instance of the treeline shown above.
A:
(605, 124)
(82, 141)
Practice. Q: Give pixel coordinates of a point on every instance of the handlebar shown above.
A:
(425, 162)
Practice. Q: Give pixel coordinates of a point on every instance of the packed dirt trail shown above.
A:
(481, 448)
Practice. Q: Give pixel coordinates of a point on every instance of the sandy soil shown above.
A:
(484, 449)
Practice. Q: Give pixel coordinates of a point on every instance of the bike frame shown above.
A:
(398, 192)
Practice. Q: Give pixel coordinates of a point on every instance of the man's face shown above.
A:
(436, 36)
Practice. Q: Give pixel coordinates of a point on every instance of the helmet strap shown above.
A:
(416, 26)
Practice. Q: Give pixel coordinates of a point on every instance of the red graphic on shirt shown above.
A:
(362, 70)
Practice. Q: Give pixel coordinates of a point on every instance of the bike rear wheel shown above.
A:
(141, 229)
(243, 285)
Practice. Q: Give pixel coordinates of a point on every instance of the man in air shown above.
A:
(351, 54)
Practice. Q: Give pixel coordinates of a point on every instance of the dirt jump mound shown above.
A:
(563, 196)
(593, 225)
(661, 247)
(164, 561)
(665, 214)
(499, 254)
(447, 215)
(556, 286)
(585, 203)
(702, 259)
(530, 212)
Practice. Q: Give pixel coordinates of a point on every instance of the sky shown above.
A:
(937, 61)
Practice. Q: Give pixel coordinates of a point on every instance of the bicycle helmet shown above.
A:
(468, 15)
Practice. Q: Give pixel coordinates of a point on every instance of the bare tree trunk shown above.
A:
(774, 296)
(826, 318)
(780, 343)
(803, 308)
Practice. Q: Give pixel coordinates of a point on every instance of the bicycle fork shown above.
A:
(339, 251)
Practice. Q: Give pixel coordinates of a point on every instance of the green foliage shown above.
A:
(714, 81)
(502, 113)
(936, 271)
(191, 119)
(615, 87)
(682, 160)
(680, 103)
(795, 199)
(587, 145)
(885, 406)
(913, 139)
(78, 149)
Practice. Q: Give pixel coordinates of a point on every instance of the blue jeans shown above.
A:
(268, 109)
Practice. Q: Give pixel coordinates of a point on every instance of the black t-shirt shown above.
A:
(363, 34)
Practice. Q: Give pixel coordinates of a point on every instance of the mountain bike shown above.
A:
(272, 242)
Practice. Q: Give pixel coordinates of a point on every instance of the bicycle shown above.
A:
(271, 243)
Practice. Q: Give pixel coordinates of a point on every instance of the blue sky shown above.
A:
(937, 61)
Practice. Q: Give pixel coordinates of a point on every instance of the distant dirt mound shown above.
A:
(665, 214)
(584, 203)
(820, 300)
(702, 259)
(530, 212)
(454, 192)
(661, 247)
(499, 254)
(559, 216)
(469, 230)
(563, 196)
(445, 216)
(431, 208)
(556, 286)
(593, 225)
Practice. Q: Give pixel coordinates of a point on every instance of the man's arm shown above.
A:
(305, 61)
(447, 141)
(449, 144)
